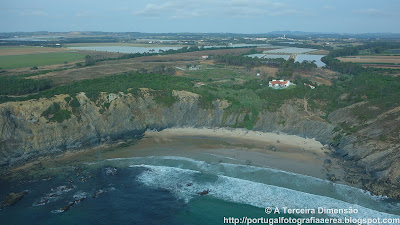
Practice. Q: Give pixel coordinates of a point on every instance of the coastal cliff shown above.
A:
(48, 126)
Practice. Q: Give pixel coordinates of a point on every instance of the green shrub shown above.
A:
(61, 115)
(165, 98)
(75, 103)
(53, 109)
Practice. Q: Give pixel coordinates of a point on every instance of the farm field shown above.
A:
(371, 59)
(209, 72)
(39, 59)
(25, 50)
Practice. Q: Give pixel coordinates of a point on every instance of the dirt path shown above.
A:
(305, 104)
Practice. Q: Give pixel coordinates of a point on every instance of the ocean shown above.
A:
(197, 188)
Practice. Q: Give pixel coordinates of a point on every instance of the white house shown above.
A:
(199, 84)
(280, 83)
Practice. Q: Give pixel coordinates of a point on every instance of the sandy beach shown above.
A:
(280, 151)
(242, 135)
(220, 145)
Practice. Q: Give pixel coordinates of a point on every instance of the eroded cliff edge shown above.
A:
(29, 129)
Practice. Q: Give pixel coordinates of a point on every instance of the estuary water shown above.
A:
(196, 188)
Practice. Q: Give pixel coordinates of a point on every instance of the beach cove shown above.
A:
(180, 174)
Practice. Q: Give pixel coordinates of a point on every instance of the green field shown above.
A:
(18, 61)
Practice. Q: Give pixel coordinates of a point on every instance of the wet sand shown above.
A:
(279, 151)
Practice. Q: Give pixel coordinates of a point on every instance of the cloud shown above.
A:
(370, 12)
(214, 8)
(329, 7)
(288, 12)
(84, 13)
(33, 12)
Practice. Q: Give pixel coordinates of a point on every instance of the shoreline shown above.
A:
(280, 151)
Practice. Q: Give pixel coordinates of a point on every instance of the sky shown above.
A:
(214, 16)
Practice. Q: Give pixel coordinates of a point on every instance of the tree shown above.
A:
(89, 61)
(142, 70)
(170, 71)
(158, 69)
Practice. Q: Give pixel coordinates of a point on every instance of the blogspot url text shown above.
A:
(311, 220)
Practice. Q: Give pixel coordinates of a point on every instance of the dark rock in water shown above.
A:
(111, 171)
(54, 194)
(78, 198)
(42, 201)
(47, 178)
(66, 208)
(98, 193)
(62, 188)
(189, 184)
(13, 198)
(204, 192)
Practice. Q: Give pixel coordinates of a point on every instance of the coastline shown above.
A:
(280, 151)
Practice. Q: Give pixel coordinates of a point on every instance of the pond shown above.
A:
(291, 50)
(317, 58)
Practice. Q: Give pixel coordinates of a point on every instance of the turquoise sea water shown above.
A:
(165, 190)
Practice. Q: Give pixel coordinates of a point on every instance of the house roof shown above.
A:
(275, 82)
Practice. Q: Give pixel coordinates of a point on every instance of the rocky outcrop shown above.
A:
(13, 198)
(26, 133)
(370, 144)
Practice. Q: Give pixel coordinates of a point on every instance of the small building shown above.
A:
(204, 57)
(309, 85)
(194, 68)
(199, 84)
(279, 83)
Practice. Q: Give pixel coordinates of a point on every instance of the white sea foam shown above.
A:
(236, 190)
(264, 175)
(261, 175)
(224, 157)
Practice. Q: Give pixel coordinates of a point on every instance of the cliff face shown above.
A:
(26, 133)
(372, 143)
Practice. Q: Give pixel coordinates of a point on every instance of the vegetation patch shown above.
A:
(35, 60)
(165, 98)
(13, 85)
(55, 114)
